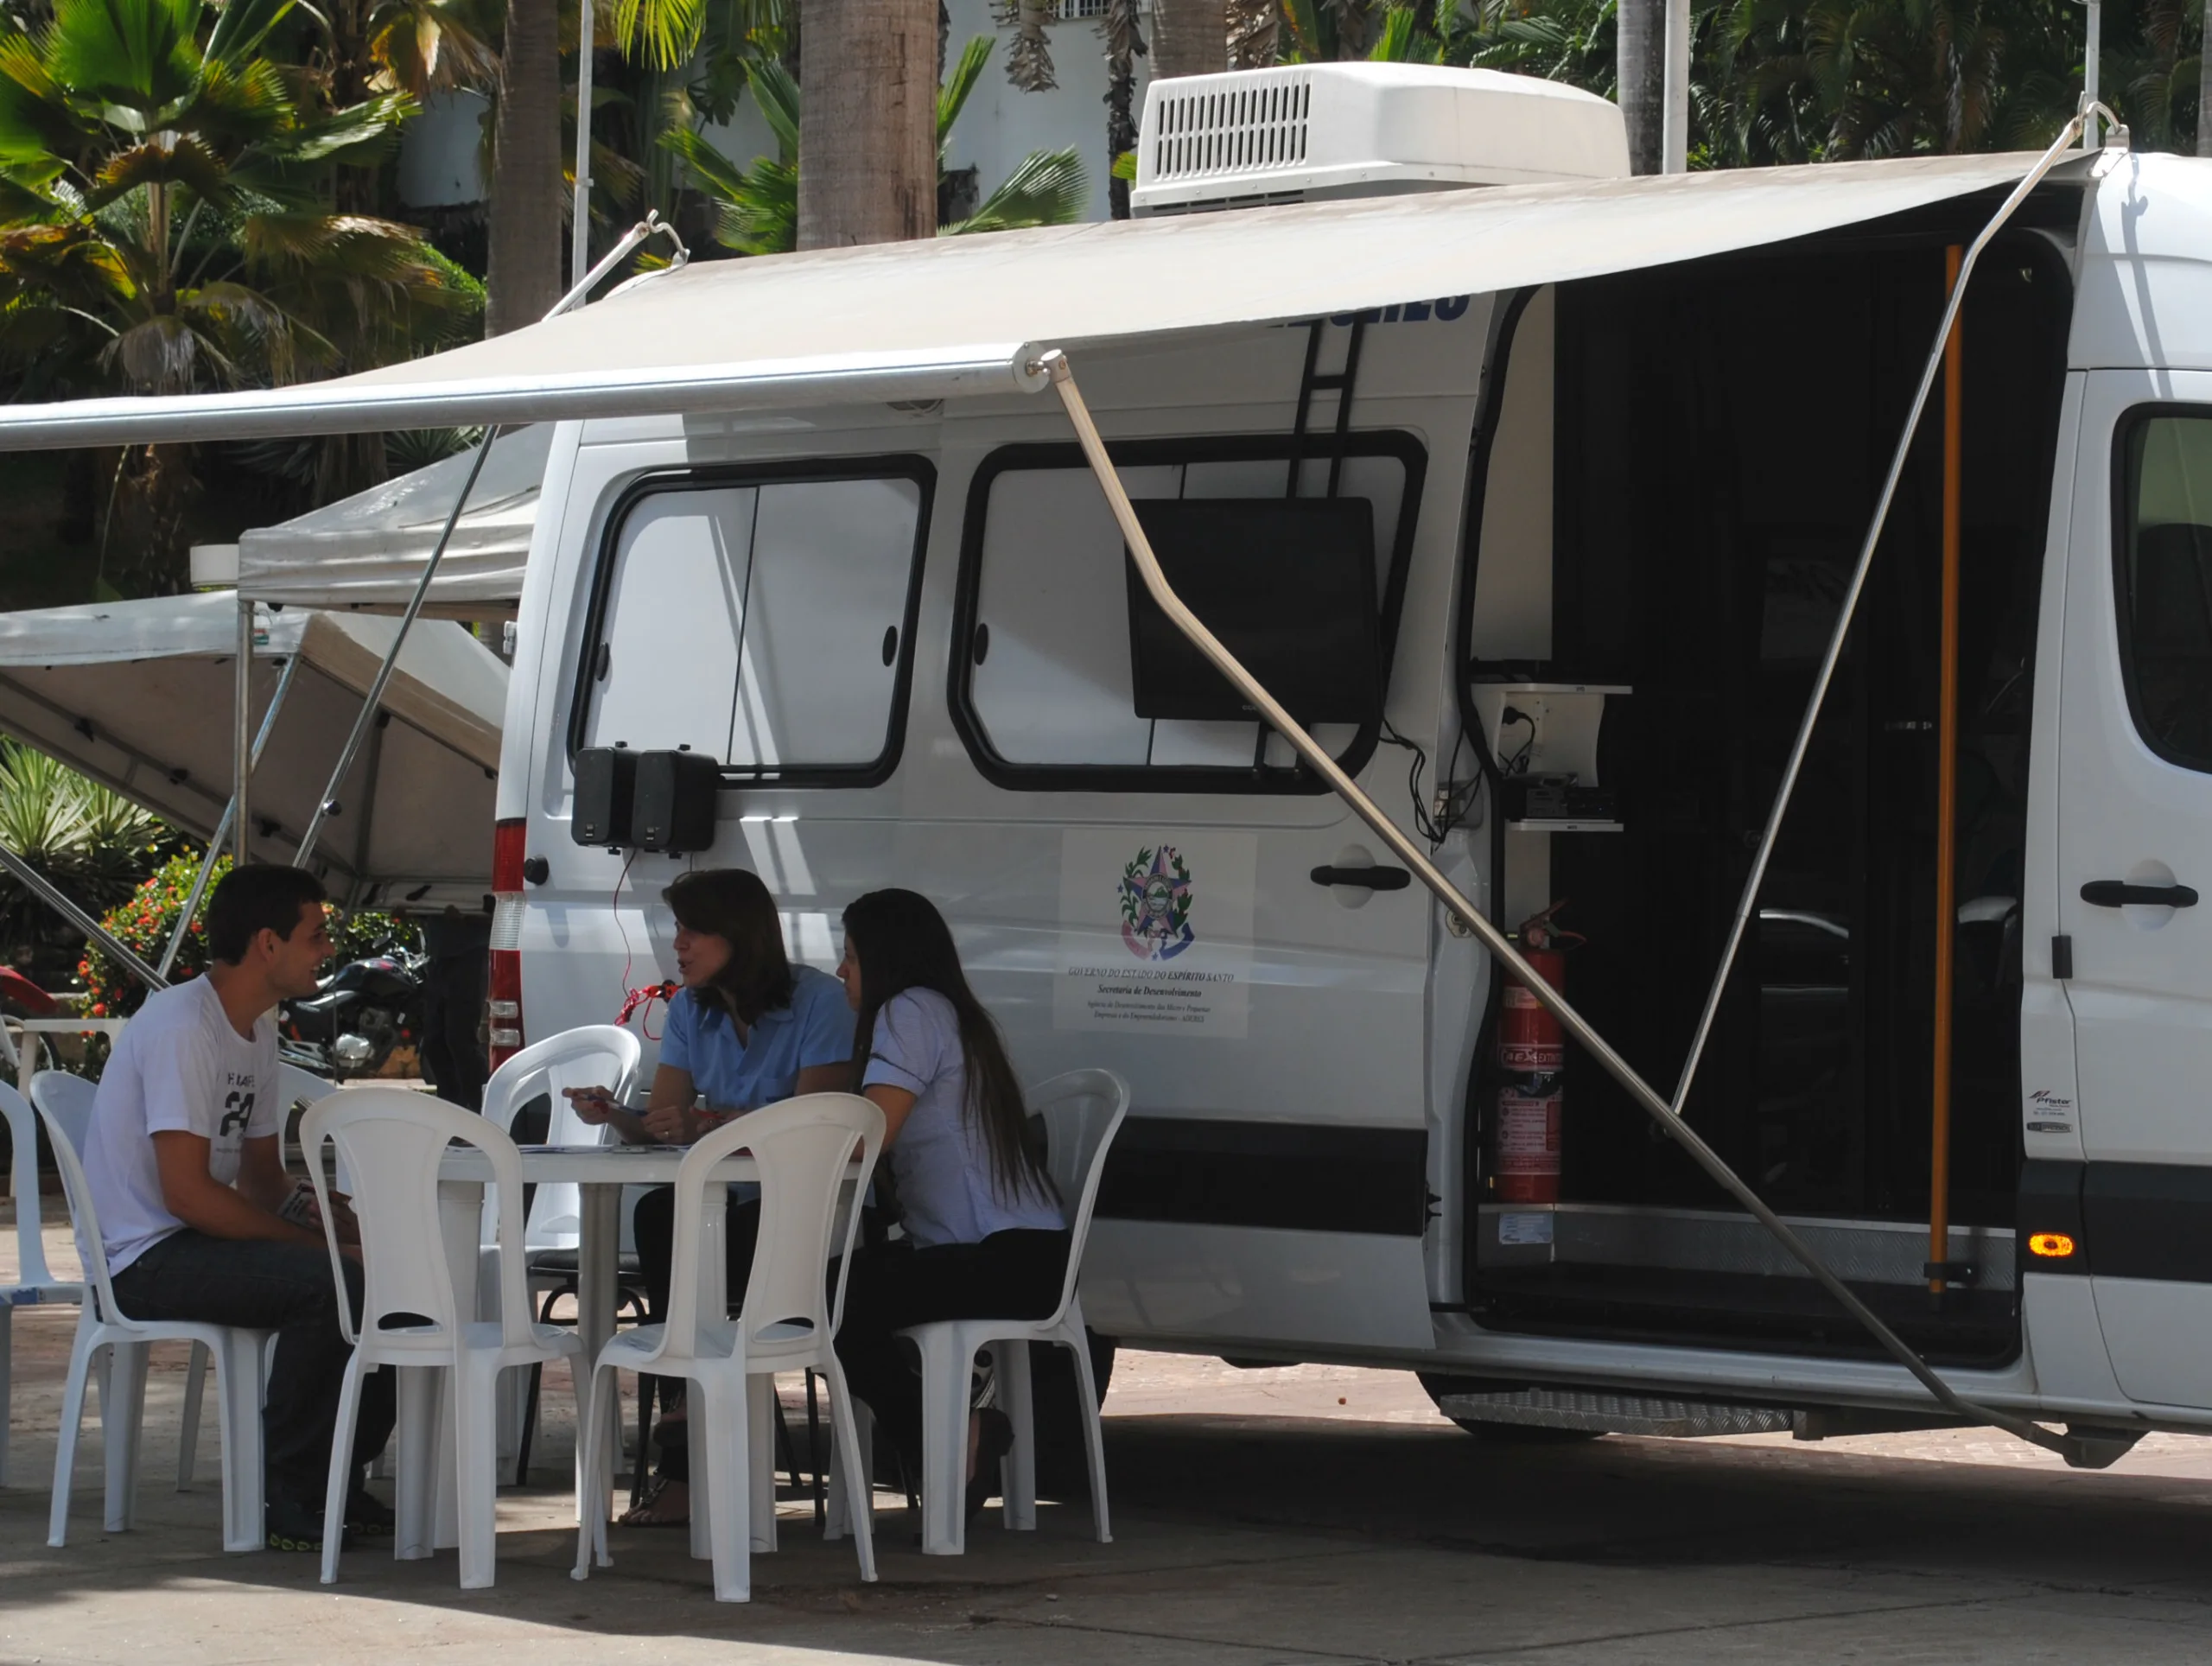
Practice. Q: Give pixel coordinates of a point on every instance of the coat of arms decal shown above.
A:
(1156, 905)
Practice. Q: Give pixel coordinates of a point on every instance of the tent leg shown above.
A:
(241, 742)
(222, 832)
(2077, 1451)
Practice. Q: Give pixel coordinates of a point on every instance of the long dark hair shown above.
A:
(902, 942)
(732, 904)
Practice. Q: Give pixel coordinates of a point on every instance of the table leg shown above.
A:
(460, 1223)
(597, 1276)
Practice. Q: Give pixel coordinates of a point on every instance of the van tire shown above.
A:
(1499, 1434)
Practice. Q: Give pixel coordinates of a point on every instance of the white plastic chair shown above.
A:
(296, 1087)
(392, 1140)
(1083, 1110)
(805, 1148)
(102, 1324)
(593, 1055)
(36, 1285)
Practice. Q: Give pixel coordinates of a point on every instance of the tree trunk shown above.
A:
(525, 221)
(1189, 37)
(1125, 44)
(867, 125)
(2204, 87)
(1642, 46)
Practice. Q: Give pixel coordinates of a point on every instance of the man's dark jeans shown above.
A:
(287, 1288)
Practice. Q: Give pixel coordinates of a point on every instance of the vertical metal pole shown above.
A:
(241, 737)
(2092, 49)
(1947, 799)
(579, 227)
(1674, 123)
(223, 827)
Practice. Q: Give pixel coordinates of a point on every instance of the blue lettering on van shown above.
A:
(1448, 309)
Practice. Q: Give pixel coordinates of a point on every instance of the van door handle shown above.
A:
(2113, 894)
(1371, 878)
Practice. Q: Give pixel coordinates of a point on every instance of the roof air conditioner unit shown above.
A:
(1309, 132)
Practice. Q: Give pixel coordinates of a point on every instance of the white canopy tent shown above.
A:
(138, 695)
(961, 316)
(366, 552)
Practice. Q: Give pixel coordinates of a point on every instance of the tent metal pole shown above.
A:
(46, 891)
(222, 828)
(2080, 1450)
(242, 738)
(580, 222)
(651, 226)
(1849, 609)
(1946, 804)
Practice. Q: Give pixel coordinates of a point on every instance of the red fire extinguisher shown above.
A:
(1532, 1060)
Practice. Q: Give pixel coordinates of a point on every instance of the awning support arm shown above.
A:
(47, 892)
(2077, 1450)
(652, 225)
(2116, 141)
(222, 832)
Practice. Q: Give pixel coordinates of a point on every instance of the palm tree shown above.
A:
(95, 844)
(1189, 37)
(524, 220)
(867, 132)
(756, 210)
(166, 222)
(1117, 26)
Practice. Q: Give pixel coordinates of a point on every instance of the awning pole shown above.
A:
(45, 890)
(2085, 1454)
(241, 739)
(1947, 800)
(223, 827)
(1749, 900)
(651, 226)
(580, 223)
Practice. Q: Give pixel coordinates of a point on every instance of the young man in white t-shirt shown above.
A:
(197, 1217)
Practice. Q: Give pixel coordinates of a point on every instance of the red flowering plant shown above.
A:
(144, 922)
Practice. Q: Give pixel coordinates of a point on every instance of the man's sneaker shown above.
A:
(368, 1516)
(291, 1525)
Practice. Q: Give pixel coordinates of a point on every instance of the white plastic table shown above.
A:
(599, 1172)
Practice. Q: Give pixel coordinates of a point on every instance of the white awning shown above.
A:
(127, 692)
(957, 316)
(368, 551)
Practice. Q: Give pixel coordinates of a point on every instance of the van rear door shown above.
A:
(2135, 869)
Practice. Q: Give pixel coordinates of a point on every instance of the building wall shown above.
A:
(439, 164)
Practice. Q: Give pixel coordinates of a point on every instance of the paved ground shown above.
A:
(1292, 1517)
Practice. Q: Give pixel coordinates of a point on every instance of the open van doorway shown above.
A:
(1718, 435)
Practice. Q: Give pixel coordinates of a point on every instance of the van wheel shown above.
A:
(1500, 1434)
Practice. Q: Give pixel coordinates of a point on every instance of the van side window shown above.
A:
(1043, 689)
(2164, 571)
(765, 622)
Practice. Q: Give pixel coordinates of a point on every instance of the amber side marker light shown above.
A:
(2051, 1244)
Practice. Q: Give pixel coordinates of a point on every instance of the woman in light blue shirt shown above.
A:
(985, 1236)
(748, 1029)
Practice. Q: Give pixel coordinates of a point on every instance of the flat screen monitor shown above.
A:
(1288, 586)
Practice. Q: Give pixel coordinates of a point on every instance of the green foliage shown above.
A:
(93, 843)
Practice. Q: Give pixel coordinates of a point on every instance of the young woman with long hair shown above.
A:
(984, 1234)
(748, 1029)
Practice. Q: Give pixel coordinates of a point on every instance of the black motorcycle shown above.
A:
(359, 1015)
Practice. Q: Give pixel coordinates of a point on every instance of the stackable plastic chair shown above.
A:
(36, 1285)
(392, 1141)
(593, 1055)
(102, 1324)
(1083, 1110)
(297, 1087)
(805, 1148)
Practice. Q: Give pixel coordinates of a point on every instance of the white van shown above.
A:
(1601, 453)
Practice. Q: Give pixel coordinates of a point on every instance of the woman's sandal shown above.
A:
(646, 1511)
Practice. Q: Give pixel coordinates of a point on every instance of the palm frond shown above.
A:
(960, 81)
(777, 95)
(662, 34)
(1047, 188)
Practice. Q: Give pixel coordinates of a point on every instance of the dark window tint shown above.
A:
(2164, 571)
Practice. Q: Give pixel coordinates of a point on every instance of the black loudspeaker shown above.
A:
(607, 780)
(674, 809)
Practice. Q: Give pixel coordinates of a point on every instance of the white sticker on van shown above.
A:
(1155, 931)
